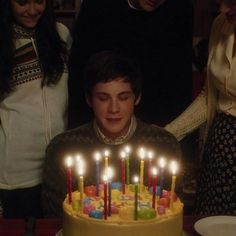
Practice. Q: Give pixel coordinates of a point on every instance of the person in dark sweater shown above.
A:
(113, 89)
(158, 33)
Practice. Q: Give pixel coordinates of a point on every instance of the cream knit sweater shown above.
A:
(219, 92)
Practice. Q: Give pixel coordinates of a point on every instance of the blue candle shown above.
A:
(97, 159)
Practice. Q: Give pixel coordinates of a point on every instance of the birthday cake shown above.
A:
(122, 217)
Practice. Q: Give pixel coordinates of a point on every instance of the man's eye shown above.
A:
(102, 97)
(124, 97)
(22, 2)
(39, 1)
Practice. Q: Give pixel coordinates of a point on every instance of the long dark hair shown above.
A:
(51, 49)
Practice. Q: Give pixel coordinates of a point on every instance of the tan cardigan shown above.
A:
(204, 107)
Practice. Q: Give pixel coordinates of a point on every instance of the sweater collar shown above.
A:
(119, 140)
(21, 32)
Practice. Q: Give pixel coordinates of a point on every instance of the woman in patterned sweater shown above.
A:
(33, 99)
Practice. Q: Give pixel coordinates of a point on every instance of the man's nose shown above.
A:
(114, 106)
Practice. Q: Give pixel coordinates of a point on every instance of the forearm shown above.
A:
(190, 119)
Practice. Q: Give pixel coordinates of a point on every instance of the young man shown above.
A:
(157, 33)
(113, 89)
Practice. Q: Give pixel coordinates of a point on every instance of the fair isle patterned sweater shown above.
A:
(84, 140)
(30, 115)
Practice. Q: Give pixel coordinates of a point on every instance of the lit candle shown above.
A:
(105, 196)
(127, 151)
(69, 162)
(109, 177)
(135, 197)
(154, 184)
(81, 183)
(162, 164)
(142, 156)
(173, 167)
(106, 154)
(123, 155)
(97, 160)
(150, 156)
(77, 161)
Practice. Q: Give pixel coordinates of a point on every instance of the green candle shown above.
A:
(135, 198)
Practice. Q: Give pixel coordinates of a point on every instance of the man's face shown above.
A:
(113, 105)
(228, 7)
(149, 5)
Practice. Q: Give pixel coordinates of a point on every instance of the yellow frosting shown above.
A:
(76, 223)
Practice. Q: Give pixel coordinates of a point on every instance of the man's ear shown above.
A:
(88, 100)
(137, 99)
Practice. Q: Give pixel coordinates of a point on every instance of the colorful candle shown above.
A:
(77, 161)
(105, 196)
(162, 164)
(106, 154)
(173, 167)
(154, 184)
(97, 160)
(81, 183)
(135, 197)
(150, 156)
(109, 176)
(141, 176)
(69, 162)
(127, 151)
(123, 156)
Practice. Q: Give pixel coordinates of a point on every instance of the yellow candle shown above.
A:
(81, 184)
(173, 167)
(142, 155)
(106, 153)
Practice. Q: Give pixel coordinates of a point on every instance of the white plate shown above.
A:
(216, 226)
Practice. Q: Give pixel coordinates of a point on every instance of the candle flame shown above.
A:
(154, 171)
(106, 153)
(105, 178)
(97, 156)
(123, 154)
(69, 161)
(109, 172)
(173, 167)
(142, 153)
(78, 157)
(162, 162)
(136, 179)
(127, 149)
(150, 155)
(81, 166)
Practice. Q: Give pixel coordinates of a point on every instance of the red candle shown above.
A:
(105, 197)
(154, 184)
(150, 155)
(123, 171)
(69, 162)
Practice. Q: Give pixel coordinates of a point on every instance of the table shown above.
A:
(49, 227)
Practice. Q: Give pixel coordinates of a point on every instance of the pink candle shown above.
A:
(69, 162)
(105, 197)
(150, 156)
(123, 155)
(154, 184)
